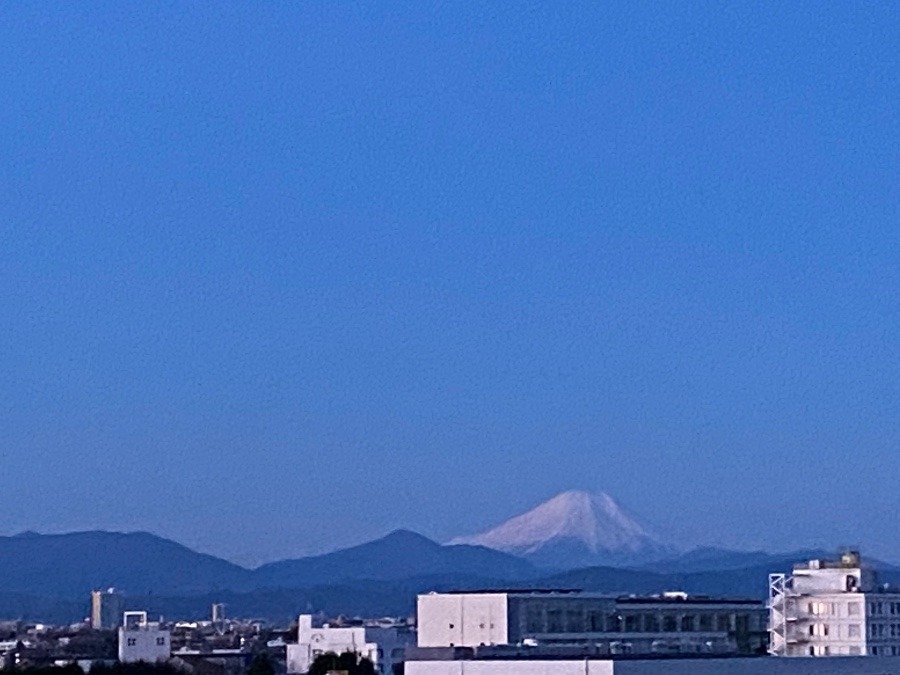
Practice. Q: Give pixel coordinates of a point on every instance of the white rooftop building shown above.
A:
(384, 646)
(832, 608)
(140, 640)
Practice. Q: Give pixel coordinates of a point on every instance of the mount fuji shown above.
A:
(574, 529)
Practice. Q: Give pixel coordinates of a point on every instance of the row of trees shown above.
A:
(349, 663)
(102, 669)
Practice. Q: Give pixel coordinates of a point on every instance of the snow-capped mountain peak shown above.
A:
(573, 528)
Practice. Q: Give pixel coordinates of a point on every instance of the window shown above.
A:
(554, 621)
(651, 623)
(131, 642)
(670, 624)
(574, 621)
(631, 623)
(853, 630)
(818, 608)
(534, 620)
(595, 621)
(819, 630)
(706, 622)
(855, 651)
(687, 623)
(852, 609)
(613, 623)
(160, 641)
(723, 623)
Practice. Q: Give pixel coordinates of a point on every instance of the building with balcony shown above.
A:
(832, 608)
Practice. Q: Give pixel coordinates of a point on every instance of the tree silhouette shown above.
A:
(348, 662)
(261, 665)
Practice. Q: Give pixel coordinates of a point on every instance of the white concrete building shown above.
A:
(673, 623)
(664, 666)
(832, 608)
(140, 640)
(384, 646)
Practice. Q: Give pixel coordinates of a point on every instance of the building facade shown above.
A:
(107, 607)
(383, 645)
(832, 608)
(672, 623)
(140, 640)
(660, 666)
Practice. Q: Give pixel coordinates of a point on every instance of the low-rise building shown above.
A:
(383, 645)
(141, 640)
(671, 623)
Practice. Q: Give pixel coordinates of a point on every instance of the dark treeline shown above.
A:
(98, 669)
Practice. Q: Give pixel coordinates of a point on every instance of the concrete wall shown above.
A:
(861, 665)
(509, 668)
(750, 666)
(145, 644)
(462, 620)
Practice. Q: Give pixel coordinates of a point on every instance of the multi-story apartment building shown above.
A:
(672, 623)
(832, 608)
(107, 607)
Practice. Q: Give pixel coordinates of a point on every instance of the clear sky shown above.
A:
(281, 277)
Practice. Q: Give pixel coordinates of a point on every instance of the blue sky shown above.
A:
(281, 277)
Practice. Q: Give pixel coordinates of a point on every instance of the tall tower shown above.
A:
(107, 607)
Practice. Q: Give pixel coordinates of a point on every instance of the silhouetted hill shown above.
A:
(718, 559)
(69, 566)
(49, 577)
(399, 555)
(46, 576)
(748, 582)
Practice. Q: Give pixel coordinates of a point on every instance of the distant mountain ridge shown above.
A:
(574, 529)
(49, 577)
(292, 587)
(400, 555)
(69, 566)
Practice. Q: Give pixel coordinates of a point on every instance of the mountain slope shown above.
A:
(718, 559)
(573, 529)
(399, 555)
(69, 566)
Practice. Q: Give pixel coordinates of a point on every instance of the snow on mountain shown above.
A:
(574, 529)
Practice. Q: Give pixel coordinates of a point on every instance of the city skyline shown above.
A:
(277, 280)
